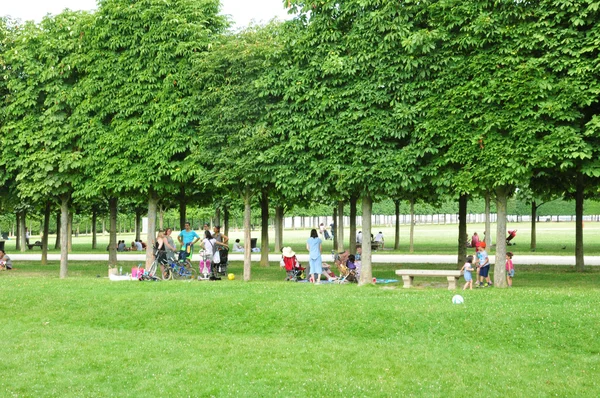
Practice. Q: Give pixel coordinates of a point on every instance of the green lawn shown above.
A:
(553, 238)
(87, 336)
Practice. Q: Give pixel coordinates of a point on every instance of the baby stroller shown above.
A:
(294, 271)
(220, 268)
(510, 237)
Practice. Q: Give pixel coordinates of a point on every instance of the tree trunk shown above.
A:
(47, 212)
(462, 230)
(487, 234)
(138, 224)
(411, 245)
(397, 229)
(333, 230)
(218, 216)
(161, 218)
(58, 229)
(226, 220)
(182, 208)
(339, 229)
(151, 238)
(112, 226)
(18, 233)
(94, 232)
(579, 262)
(352, 238)
(533, 244)
(247, 234)
(23, 230)
(500, 265)
(70, 233)
(264, 230)
(278, 229)
(366, 272)
(64, 235)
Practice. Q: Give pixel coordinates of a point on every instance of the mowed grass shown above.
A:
(553, 238)
(88, 336)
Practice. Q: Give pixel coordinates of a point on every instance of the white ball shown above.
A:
(458, 299)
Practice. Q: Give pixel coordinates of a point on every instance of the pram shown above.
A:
(294, 271)
(510, 237)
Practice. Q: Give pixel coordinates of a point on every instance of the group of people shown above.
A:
(481, 262)
(377, 239)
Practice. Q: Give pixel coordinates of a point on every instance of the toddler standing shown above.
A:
(467, 268)
(510, 269)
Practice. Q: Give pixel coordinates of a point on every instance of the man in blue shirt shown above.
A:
(186, 238)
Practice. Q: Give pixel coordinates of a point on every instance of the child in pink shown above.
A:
(510, 269)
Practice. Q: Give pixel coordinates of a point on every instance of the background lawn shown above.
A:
(87, 336)
(553, 238)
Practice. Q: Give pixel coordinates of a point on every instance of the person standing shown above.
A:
(484, 266)
(467, 268)
(187, 238)
(510, 269)
(314, 247)
(170, 244)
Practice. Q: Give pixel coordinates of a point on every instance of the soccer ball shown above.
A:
(231, 277)
(458, 299)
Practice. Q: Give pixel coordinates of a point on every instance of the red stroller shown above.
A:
(510, 237)
(294, 270)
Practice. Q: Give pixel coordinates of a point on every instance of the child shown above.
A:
(510, 269)
(484, 265)
(467, 268)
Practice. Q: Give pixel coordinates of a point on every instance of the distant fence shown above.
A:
(382, 220)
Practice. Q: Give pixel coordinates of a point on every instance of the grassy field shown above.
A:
(87, 336)
(552, 239)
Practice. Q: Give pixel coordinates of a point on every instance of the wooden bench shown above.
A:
(36, 244)
(409, 274)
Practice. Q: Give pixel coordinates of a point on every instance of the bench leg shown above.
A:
(407, 281)
(452, 282)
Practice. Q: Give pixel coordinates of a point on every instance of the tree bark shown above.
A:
(579, 261)
(278, 228)
(533, 244)
(339, 229)
(182, 208)
(23, 230)
(18, 233)
(226, 220)
(138, 224)
(94, 231)
(47, 211)
(462, 230)
(499, 266)
(151, 238)
(334, 233)
(218, 216)
(58, 229)
(411, 245)
(352, 238)
(264, 230)
(247, 234)
(112, 227)
(64, 235)
(366, 272)
(161, 218)
(487, 234)
(397, 229)
(70, 233)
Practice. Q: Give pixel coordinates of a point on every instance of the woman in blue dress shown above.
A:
(314, 247)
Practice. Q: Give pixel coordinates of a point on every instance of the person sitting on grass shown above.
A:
(467, 268)
(510, 269)
(237, 247)
(5, 261)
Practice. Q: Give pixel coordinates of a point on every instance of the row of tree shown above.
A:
(349, 102)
